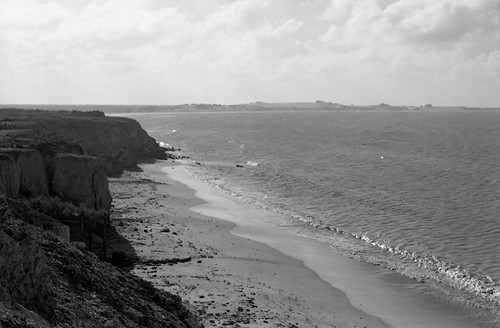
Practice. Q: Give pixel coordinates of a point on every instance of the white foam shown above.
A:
(367, 286)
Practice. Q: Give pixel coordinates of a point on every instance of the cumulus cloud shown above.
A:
(423, 44)
(172, 51)
(426, 21)
(445, 21)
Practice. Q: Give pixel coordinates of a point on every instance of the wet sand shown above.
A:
(239, 268)
(230, 280)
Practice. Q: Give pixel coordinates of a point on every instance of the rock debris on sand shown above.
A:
(230, 281)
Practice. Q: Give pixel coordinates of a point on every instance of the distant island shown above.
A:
(254, 106)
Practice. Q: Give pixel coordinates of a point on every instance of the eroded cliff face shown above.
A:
(73, 188)
(80, 180)
(33, 178)
(46, 282)
(10, 176)
(119, 142)
(54, 196)
(24, 277)
(56, 158)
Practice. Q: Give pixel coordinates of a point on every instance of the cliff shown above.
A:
(80, 180)
(70, 187)
(46, 282)
(10, 176)
(33, 178)
(58, 161)
(54, 220)
(119, 142)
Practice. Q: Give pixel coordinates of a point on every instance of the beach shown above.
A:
(228, 279)
(238, 265)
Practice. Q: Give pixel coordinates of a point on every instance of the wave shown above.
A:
(478, 290)
(169, 147)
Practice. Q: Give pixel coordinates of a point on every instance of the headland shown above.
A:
(61, 261)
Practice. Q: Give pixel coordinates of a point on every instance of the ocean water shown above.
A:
(414, 191)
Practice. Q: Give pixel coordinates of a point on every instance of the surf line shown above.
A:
(376, 291)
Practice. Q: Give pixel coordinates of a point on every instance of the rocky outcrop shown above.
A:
(32, 216)
(10, 176)
(57, 162)
(76, 192)
(24, 277)
(53, 195)
(80, 180)
(33, 178)
(45, 282)
(120, 142)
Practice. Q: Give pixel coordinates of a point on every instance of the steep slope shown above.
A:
(46, 281)
(54, 223)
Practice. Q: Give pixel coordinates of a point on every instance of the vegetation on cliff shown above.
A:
(45, 282)
(54, 224)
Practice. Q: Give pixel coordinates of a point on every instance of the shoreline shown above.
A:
(228, 279)
(394, 298)
(249, 250)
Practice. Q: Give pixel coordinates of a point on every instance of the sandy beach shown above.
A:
(239, 267)
(229, 280)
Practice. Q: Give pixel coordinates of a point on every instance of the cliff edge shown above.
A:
(47, 282)
(119, 142)
(54, 224)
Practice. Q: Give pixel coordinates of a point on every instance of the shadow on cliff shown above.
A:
(55, 224)
(47, 282)
(58, 163)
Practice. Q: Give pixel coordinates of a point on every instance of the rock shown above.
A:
(33, 217)
(79, 244)
(80, 180)
(120, 142)
(23, 274)
(10, 176)
(33, 178)
(46, 283)
(62, 231)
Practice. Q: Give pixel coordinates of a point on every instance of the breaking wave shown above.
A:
(472, 290)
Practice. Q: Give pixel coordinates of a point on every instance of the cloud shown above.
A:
(173, 51)
(242, 14)
(444, 21)
(413, 43)
(424, 21)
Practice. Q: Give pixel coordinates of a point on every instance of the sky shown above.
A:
(400, 52)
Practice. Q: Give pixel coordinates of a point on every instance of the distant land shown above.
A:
(255, 106)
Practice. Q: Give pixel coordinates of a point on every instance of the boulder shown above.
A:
(10, 176)
(33, 178)
(80, 180)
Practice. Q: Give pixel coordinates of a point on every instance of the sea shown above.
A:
(416, 192)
